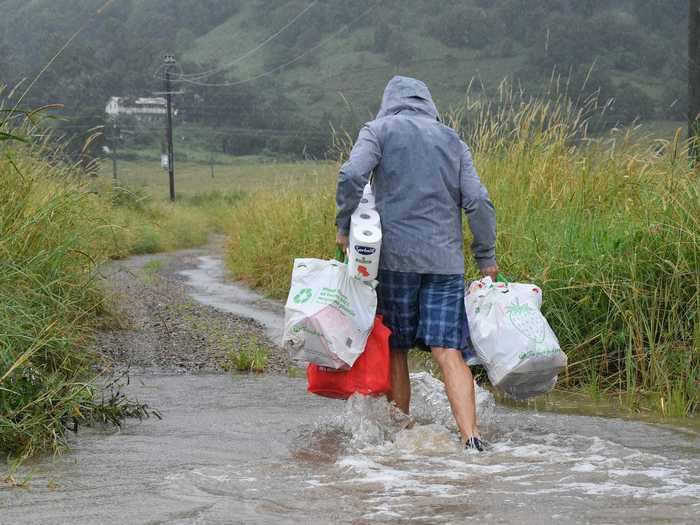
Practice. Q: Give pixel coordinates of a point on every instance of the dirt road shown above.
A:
(155, 324)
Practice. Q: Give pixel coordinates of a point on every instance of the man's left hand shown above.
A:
(490, 271)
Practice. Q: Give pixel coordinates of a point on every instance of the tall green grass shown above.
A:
(140, 223)
(49, 231)
(54, 233)
(608, 226)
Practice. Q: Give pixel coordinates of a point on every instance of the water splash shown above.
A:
(426, 440)
(429, 403)
(373, 421)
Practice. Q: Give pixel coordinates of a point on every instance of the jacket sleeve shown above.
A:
(354, 174)
(480, 212)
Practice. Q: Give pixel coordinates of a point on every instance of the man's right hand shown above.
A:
(490, 271)
(341, 241)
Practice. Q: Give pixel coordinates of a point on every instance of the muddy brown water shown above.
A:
(259, 449)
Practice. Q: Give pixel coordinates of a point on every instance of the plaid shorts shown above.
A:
(423, 310)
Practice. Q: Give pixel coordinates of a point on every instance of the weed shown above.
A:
(250, 357)
(150, 270)
(294, 372)
(592, 384)
(11, 477)
(111, 314)
(213, 197)
(130, 198)
(116, 406)
(421, 361)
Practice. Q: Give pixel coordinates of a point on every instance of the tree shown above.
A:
(467, 27)
(5, 68)
(661, 15)
(401, 51)
(382, 37)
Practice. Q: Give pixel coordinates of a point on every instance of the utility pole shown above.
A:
(169, 61)
(693, 78)
(211, 164)
(115, 142)
(112, 134)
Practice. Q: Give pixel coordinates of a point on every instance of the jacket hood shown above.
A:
(405, 93)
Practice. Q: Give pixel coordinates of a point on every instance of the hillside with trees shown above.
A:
(271, 75)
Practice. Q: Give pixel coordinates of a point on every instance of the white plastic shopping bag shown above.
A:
(328, 315)
(512, 338)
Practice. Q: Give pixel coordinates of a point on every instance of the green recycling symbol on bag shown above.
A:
(304, 296)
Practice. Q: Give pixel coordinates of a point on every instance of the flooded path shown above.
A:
(259, 449)
(209, 286)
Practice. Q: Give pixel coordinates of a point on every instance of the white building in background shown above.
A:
(143, 108)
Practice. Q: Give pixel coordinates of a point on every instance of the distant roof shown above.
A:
(159, 101)
(136, 106)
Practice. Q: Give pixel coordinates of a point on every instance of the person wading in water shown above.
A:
(423, 178)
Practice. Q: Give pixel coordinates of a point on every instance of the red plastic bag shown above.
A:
(370, 375)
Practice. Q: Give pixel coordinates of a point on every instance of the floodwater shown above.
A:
(209, 286)
(259, 449)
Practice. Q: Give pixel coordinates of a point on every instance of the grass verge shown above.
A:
(608, 227)
(54, 232)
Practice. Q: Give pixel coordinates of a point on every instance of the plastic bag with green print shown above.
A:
(328, 315)
(512, 338)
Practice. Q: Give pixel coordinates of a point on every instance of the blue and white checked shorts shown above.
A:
(423, 310)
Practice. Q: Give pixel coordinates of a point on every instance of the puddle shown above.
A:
(209, 286)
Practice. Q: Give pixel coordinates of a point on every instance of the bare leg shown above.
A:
(400, 382)
(459, 385)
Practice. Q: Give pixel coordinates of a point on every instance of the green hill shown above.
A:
(455, 41)
(294, 66)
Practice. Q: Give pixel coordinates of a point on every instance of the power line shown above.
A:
(65, 46)
(289, 63)
(322, 81)
(219, 69)
(159, 73)
(363, 69)
(211, 131)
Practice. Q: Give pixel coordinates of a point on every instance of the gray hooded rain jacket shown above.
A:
(423, 178)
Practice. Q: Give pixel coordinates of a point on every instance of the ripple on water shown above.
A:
(409, 470)
(374, 463)
(371, 463)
